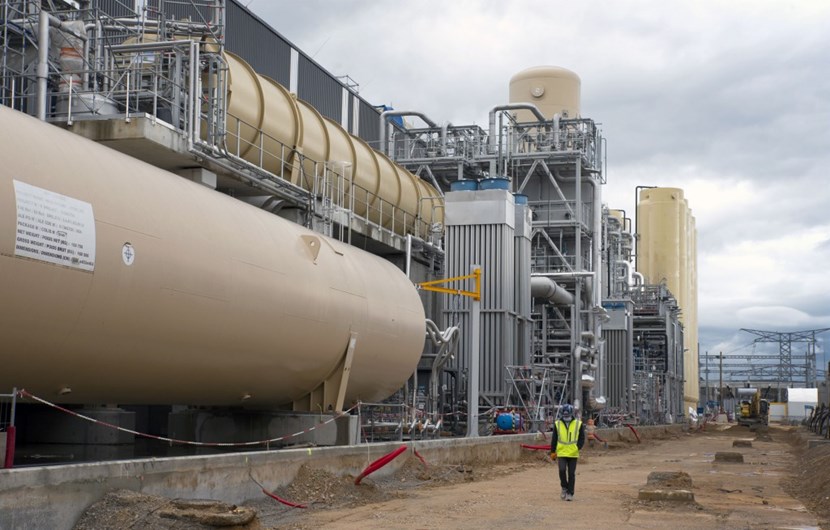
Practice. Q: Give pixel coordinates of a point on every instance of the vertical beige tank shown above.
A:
(692, 368)
(666, 252)
(128, 284)
(552, 89)
(257, 103)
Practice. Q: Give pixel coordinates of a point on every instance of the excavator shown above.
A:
(753, 410)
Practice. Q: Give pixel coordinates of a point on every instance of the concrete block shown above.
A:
(741, 443)
(677, 480)
(666, 495)
(729, 458)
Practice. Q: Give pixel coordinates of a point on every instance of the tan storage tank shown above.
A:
(666, 252)
(266, 126)
(256, 102)
(554, 90)
(122, 283)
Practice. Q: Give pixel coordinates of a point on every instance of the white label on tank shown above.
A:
(54, 228)
(128, 254)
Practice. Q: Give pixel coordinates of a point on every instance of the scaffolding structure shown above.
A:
(657, 389)
(161, 68)
(558, 164)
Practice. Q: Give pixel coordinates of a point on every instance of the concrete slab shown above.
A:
(666, 495)
(675, 480)
(729, 458)
(817, 443)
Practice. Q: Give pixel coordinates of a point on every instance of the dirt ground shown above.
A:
(780, 484)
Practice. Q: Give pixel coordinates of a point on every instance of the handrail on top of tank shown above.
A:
(418, 225)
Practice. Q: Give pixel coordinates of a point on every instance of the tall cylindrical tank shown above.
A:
(661, 220)
(122, 283)
(554, 90)
(257, 103)
(666, 251)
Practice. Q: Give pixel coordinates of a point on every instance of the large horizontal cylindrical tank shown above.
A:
(554, 90)
(267, 124)
(122, 283)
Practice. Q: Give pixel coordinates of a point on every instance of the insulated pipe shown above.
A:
(547, 289)
(639, 280)
(446, 125)
(387, 113)
(510, 106)
(627, 266)
(596, 249)
(556, 131)
(596, 241)
(42, 63)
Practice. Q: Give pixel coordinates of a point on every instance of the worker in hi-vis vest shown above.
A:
(568, 438)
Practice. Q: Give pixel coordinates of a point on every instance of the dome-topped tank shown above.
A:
(554, 90)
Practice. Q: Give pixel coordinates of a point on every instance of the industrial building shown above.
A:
(206, 236)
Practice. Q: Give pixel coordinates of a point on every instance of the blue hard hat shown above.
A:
(567, 411)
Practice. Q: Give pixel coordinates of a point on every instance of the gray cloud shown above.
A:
(730, 101)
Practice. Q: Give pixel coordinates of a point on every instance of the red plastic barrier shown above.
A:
(379, 463)
(421, 458)
(8, 461)
(287, 503)
(536, 447)
(634, 431)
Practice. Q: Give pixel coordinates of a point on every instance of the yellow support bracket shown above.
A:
(433, 285)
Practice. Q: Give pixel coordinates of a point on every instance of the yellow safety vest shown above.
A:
(566, 437)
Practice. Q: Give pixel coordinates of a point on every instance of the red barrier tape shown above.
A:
(287, 503)
(275, 497)
(536, 447)
(635, 432)
(379, 463)
(421, 458)
(26, 394)
(8, 461)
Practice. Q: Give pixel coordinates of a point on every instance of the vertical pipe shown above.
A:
(720, 401)
(576, 371)
(42, 64)
(473, 379)
(408, 254)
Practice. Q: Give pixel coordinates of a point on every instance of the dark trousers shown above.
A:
(567, 473)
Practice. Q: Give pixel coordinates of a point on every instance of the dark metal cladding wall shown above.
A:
(369, 124)
(179, 11)
(491, 246)
(350, 116)
(253, 40)
(618, 372)
(321, 90)
(116, 8)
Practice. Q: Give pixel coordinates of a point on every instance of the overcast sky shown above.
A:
(728, 100)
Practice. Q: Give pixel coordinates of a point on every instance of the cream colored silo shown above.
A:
(554, 90)
(666, 252)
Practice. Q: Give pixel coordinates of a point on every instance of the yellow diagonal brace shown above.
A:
(433, 285)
